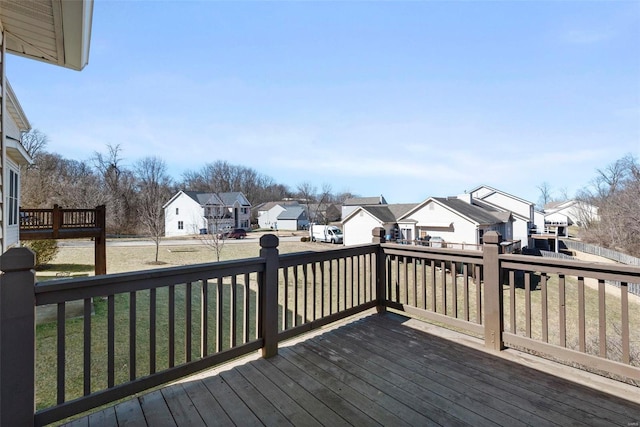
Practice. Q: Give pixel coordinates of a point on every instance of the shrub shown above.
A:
(45, 250)
(304, 239)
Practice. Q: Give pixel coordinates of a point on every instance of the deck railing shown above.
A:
(142, 329)
(58, 219)
(59, 223)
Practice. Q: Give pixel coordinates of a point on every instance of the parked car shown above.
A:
(237, 233)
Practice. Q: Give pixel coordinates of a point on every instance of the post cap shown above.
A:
(492, 237)
(269, 241)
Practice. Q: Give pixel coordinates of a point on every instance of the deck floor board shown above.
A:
(373, 371)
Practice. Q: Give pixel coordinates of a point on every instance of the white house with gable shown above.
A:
(522, 210)
(455, 220)
(192, 212)
(452, 219)
(268, 213)
(358, 225)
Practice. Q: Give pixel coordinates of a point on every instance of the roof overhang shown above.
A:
(15, 110)
(17, 152)
(53, 31)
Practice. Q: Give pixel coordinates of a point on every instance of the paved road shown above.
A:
(81, 243)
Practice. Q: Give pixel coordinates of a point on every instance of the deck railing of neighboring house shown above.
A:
(59, 223)
(199, 316)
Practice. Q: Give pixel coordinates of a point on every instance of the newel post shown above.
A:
(100, 244)
(378, 238)
(56, 218)
(493, 318)
(17, 337)
(269, 295)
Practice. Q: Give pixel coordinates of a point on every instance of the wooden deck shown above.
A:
(374, 371)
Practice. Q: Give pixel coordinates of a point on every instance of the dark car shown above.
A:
(238, 233)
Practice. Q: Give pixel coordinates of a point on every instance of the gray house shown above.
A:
(293, 218)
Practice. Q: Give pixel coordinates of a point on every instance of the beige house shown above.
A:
(53, 31)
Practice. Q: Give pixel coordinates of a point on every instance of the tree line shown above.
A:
(134, 192)
(615, 190)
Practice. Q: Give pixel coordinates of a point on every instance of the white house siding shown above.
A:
(190, 213)
(523, 211)
(359, 228)
(509, 203)
(346, 210)
(268, 219)
(433, 217)
(287, 224)
(520, 230)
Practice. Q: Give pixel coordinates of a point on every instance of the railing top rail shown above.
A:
(578, 268)
(291, 259)
(62, 290)
(394, 248)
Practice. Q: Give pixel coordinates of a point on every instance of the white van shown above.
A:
(325, 233)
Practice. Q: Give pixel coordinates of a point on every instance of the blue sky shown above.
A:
(405, 99)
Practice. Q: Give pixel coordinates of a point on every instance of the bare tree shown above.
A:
(323, 199)
(615, 193)
(306, 193)
(34, 142)
(154, 189)
(545, 194)
(214, 238)
(118, 192)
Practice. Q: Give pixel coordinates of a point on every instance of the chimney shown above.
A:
(467, 197)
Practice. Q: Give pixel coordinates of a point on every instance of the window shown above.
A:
(180, 225)
(244, 210)
(177, 211)
(13, 197)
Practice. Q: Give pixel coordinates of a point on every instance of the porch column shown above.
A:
(17, 337)
(493, 296)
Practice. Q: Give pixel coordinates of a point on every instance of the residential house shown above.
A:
(50, 31)
(354, 203)
(358, 225)
(292, 218)
(577, 212)
(268, 212)
(521, 209)
(452, 219)
(193, 212)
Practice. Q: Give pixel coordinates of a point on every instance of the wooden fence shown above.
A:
(143, 329)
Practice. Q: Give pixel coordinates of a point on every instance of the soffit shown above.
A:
(53, 31)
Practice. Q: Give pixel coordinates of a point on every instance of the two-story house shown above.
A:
(193, 212)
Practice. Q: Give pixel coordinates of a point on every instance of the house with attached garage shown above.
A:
(452, 219)
(358, 225)
(292, 218)
(268, 212)
(52, 31)
(193, 212)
